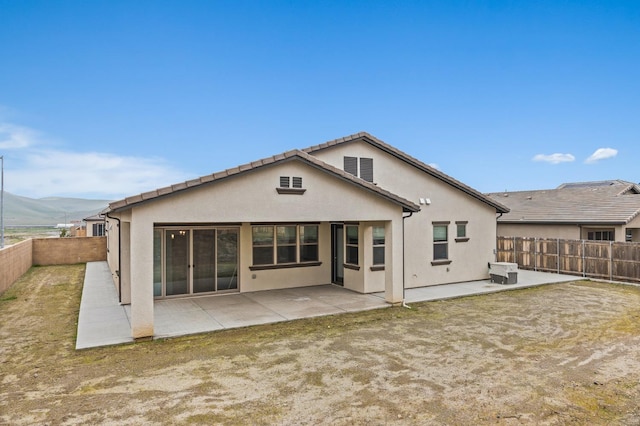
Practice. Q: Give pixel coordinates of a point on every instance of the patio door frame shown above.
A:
(160, 271)
(337, 253)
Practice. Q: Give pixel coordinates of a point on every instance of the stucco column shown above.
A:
(141, 278)
(393, 258)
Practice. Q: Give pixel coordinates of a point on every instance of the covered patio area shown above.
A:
(103, 321)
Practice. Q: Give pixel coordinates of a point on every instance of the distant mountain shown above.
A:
(48, 211)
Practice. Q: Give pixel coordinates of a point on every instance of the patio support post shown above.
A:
(141, 249)
(393, 273)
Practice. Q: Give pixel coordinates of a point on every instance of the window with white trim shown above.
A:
(98, 229)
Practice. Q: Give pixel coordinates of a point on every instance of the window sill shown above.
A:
(293, 191)
(377, 268)
(351, 266)
(462, 240)
(440, 262)
(284, 266)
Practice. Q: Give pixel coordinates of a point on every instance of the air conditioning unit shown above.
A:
(503, 272)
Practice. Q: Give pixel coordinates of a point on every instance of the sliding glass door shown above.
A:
(204, 265)
(177, 262)
(195, 260)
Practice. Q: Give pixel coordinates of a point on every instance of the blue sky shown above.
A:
(105, 99)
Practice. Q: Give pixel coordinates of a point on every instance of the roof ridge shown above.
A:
(413, 161)
(253, 165)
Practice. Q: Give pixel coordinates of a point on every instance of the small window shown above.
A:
(297, 182)
(628, 236)
(600, 235)
(378, 245)
(352, 245)
(461, 231)
(440, 242)
(98, 229)
(284, 181)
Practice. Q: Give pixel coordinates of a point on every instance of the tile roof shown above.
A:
(606, 202)
(265, 162)
(366, 137)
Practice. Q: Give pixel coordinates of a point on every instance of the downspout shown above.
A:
(119, 257)
(403, 262)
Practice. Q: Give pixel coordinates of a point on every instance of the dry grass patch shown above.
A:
(558, 354)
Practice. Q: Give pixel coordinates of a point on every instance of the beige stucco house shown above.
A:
(95, 225)
(355, 212)
(600, 211)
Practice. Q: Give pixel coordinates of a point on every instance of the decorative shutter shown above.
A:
(366, 169)
(351, 165)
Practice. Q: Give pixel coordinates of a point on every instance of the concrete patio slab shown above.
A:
(103, 321)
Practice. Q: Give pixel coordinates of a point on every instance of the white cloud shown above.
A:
(434, 165)
(556, 158)
(90, 174)
(16, 137)
(33, 169)
(601, 154)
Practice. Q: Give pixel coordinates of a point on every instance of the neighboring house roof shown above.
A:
(372, 140)
(95, 218)
(294, 155)
(602, 202)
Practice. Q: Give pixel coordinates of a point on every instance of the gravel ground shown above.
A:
(558, 354)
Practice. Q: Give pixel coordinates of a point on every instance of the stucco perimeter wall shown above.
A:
(15, 260)
(68, 251)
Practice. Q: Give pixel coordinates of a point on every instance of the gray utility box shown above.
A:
(503, 272)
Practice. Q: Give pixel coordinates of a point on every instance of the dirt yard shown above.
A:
(558, 354)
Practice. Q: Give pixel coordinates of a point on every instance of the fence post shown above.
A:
(535, 253)
(558, 253)
(610, 260)
(584, 266)
(515, 257)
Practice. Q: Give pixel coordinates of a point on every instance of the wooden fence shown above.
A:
(609, 260)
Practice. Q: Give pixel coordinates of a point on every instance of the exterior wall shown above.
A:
(89, 226)
(634, 225)
(468, 259)
(564, 232)
(252, 198)
(15, 260)
(286, 277)
(113, 250)
(68, 251)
